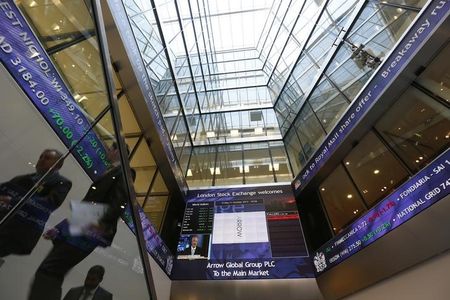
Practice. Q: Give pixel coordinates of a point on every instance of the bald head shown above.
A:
(47, 159)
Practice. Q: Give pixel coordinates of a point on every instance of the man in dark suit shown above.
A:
(193, 249)
(68, 250)
(20, 234)
(91, 289)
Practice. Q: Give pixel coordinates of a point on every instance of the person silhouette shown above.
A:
(20, 234)
(108, 189)
(91, 290)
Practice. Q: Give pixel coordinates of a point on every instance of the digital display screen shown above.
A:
(427, 187)
(242, 233)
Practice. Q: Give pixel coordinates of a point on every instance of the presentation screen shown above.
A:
(241, 233)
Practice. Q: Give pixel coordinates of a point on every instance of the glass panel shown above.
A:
(416, 3)
(309, 131)
(68, 195)
(436, 76)
(129, 122)
(295, 151)
(159, 186)
(341, 199)
(280, 162)
(421, 133)
(375, 171)
(257, 164)
(201, 167)
(154, 209)
(229, 164)
(332, 111)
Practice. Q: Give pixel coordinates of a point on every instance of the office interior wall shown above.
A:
(428, 280)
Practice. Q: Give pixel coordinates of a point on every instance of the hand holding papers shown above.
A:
(84, 216)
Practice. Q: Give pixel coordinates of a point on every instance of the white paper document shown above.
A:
(84, 214)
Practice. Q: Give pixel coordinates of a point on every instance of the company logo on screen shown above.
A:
(241, 227)
(320, 262)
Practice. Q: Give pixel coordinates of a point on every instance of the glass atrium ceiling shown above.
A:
(238, 75)
(232, 25)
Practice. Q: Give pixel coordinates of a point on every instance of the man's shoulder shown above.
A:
(75, 291)
(77, 288)
(62, 179)
(104, 293)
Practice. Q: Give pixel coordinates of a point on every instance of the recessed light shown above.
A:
(276, 167)
(246, 169)
(322, 189)
(347, 163)
(349, 196)
(211, 170)
(376, 171)
(234, 132)
(259, 130)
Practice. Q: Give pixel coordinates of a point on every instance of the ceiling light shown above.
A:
(33, 4)
(211, 170)
(420, 157)
(258, 130)
(210, 134)
(417, 161)
(246, 169)
(234, 132)
(347, 163)
(174, 137)
(82, 99)
(56, 27)
(322, 189)
(349, 196)
(189, 173)
(276, 167)
(376, 171)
